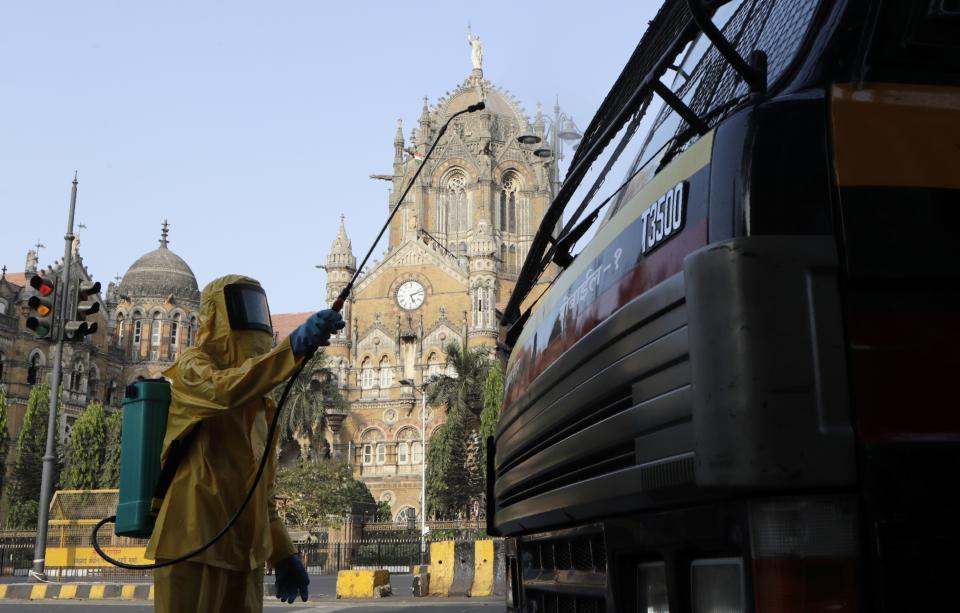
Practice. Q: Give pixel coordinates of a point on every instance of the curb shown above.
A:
(77, 591)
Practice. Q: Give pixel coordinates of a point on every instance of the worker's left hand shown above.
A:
(292, 579)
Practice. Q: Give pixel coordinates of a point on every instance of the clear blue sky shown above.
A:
(252, 126)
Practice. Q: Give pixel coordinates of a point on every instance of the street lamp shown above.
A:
(562, 130)
(423, 463)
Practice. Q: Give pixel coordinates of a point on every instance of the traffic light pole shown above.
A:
(49, 457)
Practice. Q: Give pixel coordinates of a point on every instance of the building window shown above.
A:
(454, 209)
(386, 373)
(108, 395)
(3, 359)
(137, 335)
(192, 332)
(33, 370)
(403, 453)
(3, 307)
(416, 455)
(156, 327)
(174, 332)
(433, 366)
(514, 261)
(368, 454)
(381, 453)
(508, 202)
(367, 374)
(121, 329)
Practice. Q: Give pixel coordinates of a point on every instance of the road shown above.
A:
(433, 606)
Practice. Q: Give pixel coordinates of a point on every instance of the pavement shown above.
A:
(322, 600)
(431, 605)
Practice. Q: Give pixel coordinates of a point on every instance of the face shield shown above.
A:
(247, 307)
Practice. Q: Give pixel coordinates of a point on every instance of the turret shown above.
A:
(340, 266)
(398, 149)
(483, 282)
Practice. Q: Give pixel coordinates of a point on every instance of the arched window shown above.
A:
(508, 202)
(416, 455)
(366, 374)
(381, 454)
(137, 334)
(405, 438)
(371, 441)
(155, 334)
(192, 331)
(407, 515)
(33, 368)
(433, 365)
(121, 329)
(514, 260)
(108, 394)
(403, 453)
(174, 332)
(3, 306)
(76, 380)
(454, 203)
(386, 373)
(463, 249)
(503, 257)
(93, 381)
(3, 360)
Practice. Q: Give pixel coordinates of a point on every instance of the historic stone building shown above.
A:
(144, 322)
(455, 247)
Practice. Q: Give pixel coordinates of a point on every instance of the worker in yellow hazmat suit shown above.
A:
(219, 413)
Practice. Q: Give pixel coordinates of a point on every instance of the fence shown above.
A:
(324, 558)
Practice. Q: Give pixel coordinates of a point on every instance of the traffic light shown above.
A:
(75, 330)
(41, 320)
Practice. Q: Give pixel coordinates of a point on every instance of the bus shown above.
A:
(734, 396)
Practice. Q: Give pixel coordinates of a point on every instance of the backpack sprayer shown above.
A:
(143, 481)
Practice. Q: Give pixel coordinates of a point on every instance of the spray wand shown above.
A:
(336, 306)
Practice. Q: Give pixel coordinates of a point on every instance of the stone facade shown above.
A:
(455, 247)
(144, 322)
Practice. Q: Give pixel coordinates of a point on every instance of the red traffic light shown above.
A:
(43, 286)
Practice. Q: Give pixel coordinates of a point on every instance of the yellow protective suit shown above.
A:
(219, 388)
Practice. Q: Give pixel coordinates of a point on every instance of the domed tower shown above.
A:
(157, 309)
(340, 266)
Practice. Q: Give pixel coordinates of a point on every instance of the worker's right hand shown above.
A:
(292, 579)
(316, 331)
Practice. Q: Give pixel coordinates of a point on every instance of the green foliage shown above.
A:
(321, 493)
(4, 438)
(492, 405)
(453, 475)
(449, 482)
(302, 417)
(24, 488)
(462, 392)
(384, 512)
(84, 457)
(110, 474)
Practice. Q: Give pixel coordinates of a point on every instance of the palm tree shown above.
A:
(302, 418)
(460, 389)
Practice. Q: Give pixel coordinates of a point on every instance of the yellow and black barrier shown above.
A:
(77, 591)
(466, 568)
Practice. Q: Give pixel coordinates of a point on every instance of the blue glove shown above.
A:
(292, 579)
(316, 331)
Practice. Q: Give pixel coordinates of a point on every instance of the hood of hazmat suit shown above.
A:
(218, 397)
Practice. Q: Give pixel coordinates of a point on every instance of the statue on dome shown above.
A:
(476, 49)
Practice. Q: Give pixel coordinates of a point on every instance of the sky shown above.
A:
(251, 126)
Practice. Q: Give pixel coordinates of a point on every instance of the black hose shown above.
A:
(256, 481)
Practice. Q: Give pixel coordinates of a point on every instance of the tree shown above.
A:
(301, 421)
(492, 404)
(110, 475)
(24, 492)
(4, 439)
(384, 511)
(84, 457)
(454, 477)
(318, 494)
(463, 390)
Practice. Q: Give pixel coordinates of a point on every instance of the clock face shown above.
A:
(411, 295)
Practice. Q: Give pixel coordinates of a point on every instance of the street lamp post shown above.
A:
(423, 463)
(562, 130)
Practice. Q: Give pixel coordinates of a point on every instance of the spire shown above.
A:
(398, 148)
(539, 125)
(164, 234)
(341, 250)
(3, 272)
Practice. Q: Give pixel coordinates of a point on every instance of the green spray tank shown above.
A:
(145, 407)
